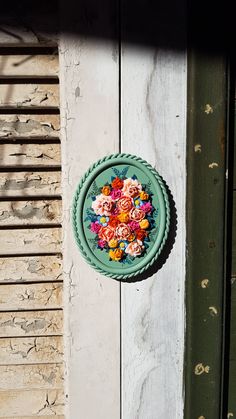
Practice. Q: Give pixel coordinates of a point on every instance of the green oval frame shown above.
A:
(77, 210)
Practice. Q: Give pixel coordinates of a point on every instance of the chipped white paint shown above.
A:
(29, 212)
(29, 126)
(201, 369)
(31, 323)
(28, 350)
(21, 95)
(31, 296)
(205, 283)
(29, 65)
(198, 148)
(23, 184)
(212, 165)
(213, 311)
(208, 109)
(31, 155)
(30, 268)
(154, 127)
(16, 241)
(39, 402)
(90, 115)
(15, 377)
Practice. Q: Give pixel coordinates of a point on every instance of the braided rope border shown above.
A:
(74, 218)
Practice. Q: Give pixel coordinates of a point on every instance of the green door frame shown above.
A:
(206, 192)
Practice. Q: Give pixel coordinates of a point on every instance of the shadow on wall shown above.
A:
(148, 23)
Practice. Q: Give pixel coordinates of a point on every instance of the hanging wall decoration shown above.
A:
(121, 216)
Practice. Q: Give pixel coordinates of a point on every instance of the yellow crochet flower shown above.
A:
(144, 196)
(123, 217)
(116, 254)
(106, 190)
(144, 223)
(113, 243)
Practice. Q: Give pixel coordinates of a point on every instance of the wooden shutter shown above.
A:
(31, 317)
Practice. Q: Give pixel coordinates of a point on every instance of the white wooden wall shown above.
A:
(124, 342)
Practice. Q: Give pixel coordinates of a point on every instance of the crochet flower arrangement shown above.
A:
(122, 217)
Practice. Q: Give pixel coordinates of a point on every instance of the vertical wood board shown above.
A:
(153, 100)
(90, 129)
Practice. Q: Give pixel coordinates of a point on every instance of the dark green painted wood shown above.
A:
(207, 100)
(234, 241)
(231, 300)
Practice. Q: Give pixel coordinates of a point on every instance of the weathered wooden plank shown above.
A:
(23, 184)
(28, 155)
(89, 81)
(153, 114)
(31, 323)
(29, 126)
(19, 241)
(28, 350)
(31, 268)
(22, 95)
(43, 376)
(30, 296)
(31, 402)
(33, 417)
(30, 212)
(29, 65)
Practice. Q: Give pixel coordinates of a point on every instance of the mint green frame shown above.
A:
(77, 211)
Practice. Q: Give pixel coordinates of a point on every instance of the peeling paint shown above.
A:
(208, 109)
(212, 165)
(213, 311)
(200, 369)
(205, 283)
(198, 148)
(230, 415)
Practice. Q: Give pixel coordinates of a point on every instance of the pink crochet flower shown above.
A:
(135, 248)
(103, 205)
(102, 243)
(122, 231)
(131, 187)
(147, 207)
(116, 194)
(133, 225)
(95, 227)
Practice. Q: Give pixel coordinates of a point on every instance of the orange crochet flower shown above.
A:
(144, 196)
(141, 234)
(113, 222)
(116, 254)
(106, 190)
(123, 217)
(117, 183)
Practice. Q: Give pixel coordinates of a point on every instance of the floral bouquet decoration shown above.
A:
(122, 218)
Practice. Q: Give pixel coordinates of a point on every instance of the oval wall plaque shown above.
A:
(121, 216)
